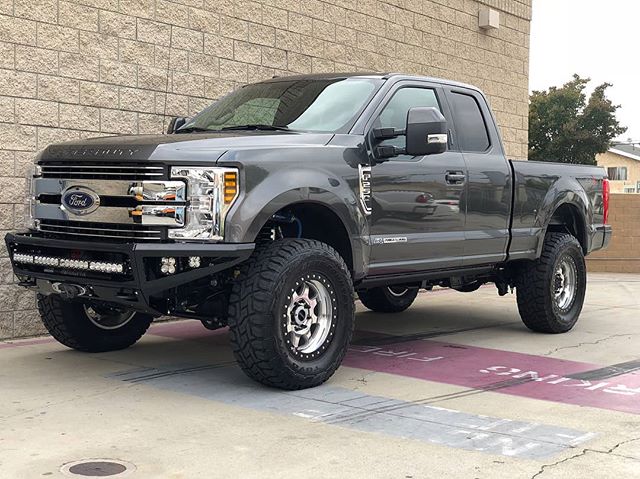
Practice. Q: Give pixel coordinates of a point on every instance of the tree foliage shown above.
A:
(564, 127)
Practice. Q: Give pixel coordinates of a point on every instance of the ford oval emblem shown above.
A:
(79, 200)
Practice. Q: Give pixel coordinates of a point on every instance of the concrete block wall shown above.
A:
(79, 68)
(623, 254)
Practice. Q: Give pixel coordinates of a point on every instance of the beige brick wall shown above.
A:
(623, 254)
(80, 68)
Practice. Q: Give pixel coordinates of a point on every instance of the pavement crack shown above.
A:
(584, 452)
(545, 467)
(598, 341)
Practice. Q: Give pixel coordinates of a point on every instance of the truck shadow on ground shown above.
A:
(188, 343)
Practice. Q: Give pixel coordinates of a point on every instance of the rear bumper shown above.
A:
(606, 236)
(137, 285)
(601, 237)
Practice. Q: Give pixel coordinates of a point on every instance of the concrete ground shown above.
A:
(454, 387)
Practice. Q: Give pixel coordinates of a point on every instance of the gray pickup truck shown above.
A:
(270, 209)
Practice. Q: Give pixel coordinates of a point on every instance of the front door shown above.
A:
(417, 220)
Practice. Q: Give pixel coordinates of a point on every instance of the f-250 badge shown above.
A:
(364, 175)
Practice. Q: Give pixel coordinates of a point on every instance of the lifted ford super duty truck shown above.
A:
(267, 210)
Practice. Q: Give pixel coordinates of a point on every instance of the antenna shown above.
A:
(166, 90)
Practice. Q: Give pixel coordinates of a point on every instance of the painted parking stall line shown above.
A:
(350, 409)
(504, 372)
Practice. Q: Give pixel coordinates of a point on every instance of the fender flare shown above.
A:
(256, 207)
(566, 191)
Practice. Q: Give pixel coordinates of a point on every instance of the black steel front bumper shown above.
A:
(136, 287)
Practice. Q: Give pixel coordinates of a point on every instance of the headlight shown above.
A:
(210, 192)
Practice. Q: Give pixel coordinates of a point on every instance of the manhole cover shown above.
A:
(98, 468)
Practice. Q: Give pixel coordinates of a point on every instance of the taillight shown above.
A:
(605, 199)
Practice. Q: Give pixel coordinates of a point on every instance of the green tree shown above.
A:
(564, 127)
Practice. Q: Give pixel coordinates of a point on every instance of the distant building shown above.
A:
(622, 163)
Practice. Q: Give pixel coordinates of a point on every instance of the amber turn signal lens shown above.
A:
(230, 186)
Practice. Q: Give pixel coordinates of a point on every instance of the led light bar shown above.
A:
(74, 264)
(23, 258)
(100, 266)
(106, 267)
(46, 261)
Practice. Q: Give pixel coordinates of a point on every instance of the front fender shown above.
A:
(268, 192)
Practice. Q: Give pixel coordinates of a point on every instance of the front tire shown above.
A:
(291, 314)
(388, 299)
(551, 290)
(89, 328)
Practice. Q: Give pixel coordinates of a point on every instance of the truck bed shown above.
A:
(540, 188)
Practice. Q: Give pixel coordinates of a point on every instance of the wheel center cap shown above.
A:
(559, 283)
(301, 315)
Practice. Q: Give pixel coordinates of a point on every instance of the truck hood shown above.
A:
(181, 147)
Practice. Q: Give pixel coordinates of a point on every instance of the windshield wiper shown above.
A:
(256, 127)
(192, 129)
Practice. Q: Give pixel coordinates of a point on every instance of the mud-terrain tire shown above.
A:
(77, 326)
(291, 314)
(551, 290)
(388, 299)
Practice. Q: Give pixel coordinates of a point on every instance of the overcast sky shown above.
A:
(599, 39)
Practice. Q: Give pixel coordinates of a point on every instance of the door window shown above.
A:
(470, 125)
(395, 113)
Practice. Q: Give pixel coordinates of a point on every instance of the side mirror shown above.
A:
(175, 123)
(426, 132)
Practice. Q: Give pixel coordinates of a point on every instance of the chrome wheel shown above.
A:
(397, 291)
(565, 283)
(108, 318)
(309, 318)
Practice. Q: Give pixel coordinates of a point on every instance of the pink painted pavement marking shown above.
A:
(483, 368)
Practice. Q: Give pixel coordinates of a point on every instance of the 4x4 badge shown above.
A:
(364, 175)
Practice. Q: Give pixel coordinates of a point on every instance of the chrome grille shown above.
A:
(108, 231)
(102, 171)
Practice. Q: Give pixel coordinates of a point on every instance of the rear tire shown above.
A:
(388, 299)
(551, 290)
(291, 314)
(91, 329)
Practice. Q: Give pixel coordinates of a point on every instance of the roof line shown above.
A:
(624, 153)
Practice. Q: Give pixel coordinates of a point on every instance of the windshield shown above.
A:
(314, 105)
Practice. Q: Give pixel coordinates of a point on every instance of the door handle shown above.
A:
(455, 177)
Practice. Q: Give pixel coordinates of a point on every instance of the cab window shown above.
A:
(395, 112)
(470, 124)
